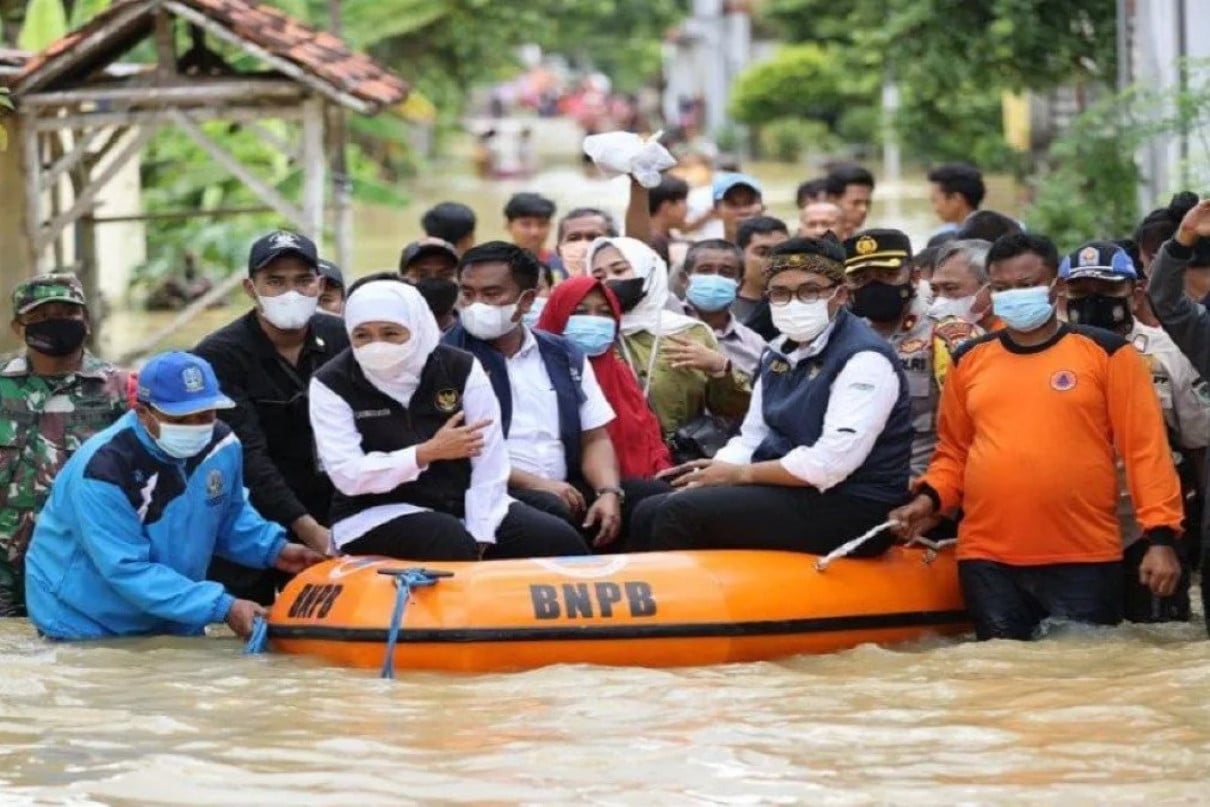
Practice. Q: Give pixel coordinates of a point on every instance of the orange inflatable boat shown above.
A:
(658, 609)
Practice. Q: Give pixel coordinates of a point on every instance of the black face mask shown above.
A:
(629, 292)
(440, 293)
(1101, 311)
(56, 337)
(881, 302)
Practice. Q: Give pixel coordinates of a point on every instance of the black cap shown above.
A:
(429, 246)
(280, 243)
(881, 249)
(331, 272)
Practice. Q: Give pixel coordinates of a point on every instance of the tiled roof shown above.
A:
(319, 54)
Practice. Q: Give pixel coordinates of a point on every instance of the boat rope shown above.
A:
(821, 564)
(258, 639)
(932, 548)
(405, 581)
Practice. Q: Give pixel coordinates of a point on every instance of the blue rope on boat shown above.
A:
(258, 640)
(405, 581)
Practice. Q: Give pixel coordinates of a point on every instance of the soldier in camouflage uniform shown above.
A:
(54, 395)
(883, 288)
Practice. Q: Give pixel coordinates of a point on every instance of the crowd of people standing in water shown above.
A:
(780, 387)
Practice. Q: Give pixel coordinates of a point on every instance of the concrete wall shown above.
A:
(121, 246)
(1170, 163)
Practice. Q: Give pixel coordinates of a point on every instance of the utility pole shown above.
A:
(342, 183)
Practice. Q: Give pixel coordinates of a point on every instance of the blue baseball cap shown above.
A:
(1100, 260)
(724, 182)
(178, 383)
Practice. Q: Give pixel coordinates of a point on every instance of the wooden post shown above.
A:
(342, 189)
(313, 169)
(165, 44)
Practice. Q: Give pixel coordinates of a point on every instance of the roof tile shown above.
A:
(319, 53)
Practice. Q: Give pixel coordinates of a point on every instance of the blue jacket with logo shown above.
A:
(124, 541)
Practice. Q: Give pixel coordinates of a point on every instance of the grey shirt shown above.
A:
(1187, 322)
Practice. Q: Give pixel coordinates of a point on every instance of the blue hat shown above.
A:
(1101, 260)
(724, 182)
(178, 383)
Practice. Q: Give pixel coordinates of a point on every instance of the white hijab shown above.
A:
(396, 301)
(651, 314)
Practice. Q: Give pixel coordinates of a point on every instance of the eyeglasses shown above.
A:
(806, 293)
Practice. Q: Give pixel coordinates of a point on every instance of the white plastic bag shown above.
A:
(618, 153)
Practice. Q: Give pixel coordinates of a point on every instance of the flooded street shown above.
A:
(1120, 717)
(1116, 716)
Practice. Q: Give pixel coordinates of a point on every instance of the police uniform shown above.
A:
(43, 421)
(922, 344)
(1185, 402)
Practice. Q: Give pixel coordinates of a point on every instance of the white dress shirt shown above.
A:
(533, 436)
(354, 472)
(862, 397)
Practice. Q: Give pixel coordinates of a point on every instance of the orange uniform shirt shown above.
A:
(1026, 446)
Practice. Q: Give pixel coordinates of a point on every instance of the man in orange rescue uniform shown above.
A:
(1029, 421)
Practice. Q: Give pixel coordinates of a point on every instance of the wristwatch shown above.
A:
(621, 494)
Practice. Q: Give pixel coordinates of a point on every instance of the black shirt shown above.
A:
(271, 416)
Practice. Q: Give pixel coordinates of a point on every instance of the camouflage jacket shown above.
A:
(43, 420)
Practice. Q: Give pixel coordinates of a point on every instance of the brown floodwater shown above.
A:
(1092, 717)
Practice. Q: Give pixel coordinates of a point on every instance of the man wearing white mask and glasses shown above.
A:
(824, 451)
(409, 430)
(264, 361)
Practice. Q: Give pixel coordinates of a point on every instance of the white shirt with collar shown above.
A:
(534, 445)
(859, 405)
(355, 472)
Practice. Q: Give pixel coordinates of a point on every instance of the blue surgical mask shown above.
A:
(711, 292)
(184, 441)
(1023, 309)
(591, 334)
(530, 317)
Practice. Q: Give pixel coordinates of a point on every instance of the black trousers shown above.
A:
(524, 533)
(1010, 602)
(636, 490)
(758, 517)
(1140, 605)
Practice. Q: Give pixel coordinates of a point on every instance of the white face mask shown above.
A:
(290, 311)
(945, 307)
(488, 322)
(801, 321)
(184, 441)
(383, 357)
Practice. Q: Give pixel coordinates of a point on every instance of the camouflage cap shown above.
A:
(60, 288)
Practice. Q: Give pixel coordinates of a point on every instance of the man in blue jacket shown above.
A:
(137, 514)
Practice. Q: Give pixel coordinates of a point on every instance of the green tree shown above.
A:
(805, 81)
(953, 58)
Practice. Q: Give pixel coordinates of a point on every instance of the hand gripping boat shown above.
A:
(660, 609)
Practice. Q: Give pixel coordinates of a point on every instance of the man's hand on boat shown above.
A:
(296, 557)
(453, 441)
(704, 474)
(606, 512)
(914, 519)
(572, 498)
(241, 616)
